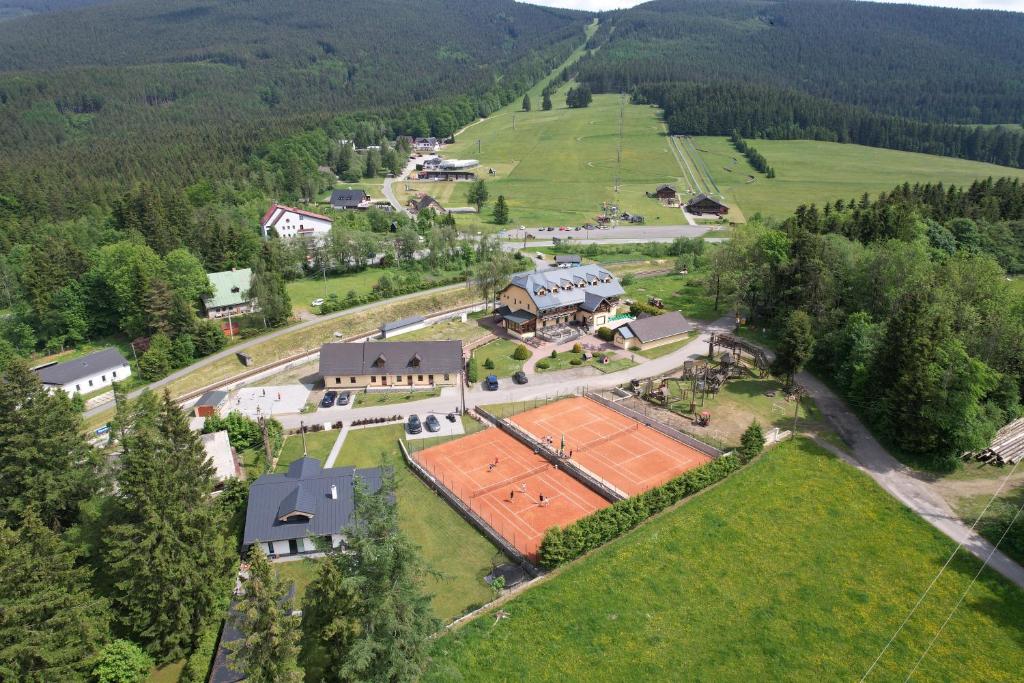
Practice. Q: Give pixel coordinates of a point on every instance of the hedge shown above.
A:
(605, 334)
(472, 371)
(561, 545)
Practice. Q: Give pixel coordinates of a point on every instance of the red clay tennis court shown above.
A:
(629, 455)
(502, 481)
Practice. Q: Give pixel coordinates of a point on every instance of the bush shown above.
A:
(638, 307)
(472, 371)
(122, 661)
(488, 363)
(561, 545)
(751, 443)
(576, 348)
(627, 280)
(576, 361)
(542, 365)
(521, 352)
(605, 334)
(554, 353)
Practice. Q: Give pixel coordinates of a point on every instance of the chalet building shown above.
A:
(424, 202)
(85, 374)
(230, 294)
(665, 192)
(383, 365)
(426, 144)
(583, 296)
(653, 330)
(289, 222)
(349, 199)
(702, 204)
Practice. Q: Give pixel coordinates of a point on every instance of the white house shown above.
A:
(290, 222)
(86, 374)
(426, 144)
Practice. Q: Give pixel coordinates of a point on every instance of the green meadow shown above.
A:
(796, 568)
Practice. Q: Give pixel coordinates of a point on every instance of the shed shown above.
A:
(397, 327)
(209, 403)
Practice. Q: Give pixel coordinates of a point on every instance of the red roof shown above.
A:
(301, 212)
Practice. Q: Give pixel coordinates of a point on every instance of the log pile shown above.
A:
(1007, 447)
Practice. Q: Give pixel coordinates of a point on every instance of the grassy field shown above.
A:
(303, 292)
(797, 568)
(818, 172)
(564, 362)
(997, 518)
(454, 328)
(318, 445)
(683, 293)
(500, 351)
(299, 572)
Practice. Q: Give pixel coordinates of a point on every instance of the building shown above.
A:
(222, 456)
(379, 365)
(702, 204)
(445, 175)
(397, 327)
(458, 164)
(424, 202)
(568, 260)
(585, 296)
(230, 294)
(426, 144)
(289, 222)
(650, 331)
(665, 192)
(286, 512)
(86, 373)
(349, 199)
(209, 404)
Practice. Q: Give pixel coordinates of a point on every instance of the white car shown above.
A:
(318, 302)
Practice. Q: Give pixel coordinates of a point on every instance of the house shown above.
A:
(445, 175)
(349, 199)
(568, 260)
(426, 144)
(86, 373)
(424, 202)
(378, 365)
(230, 293)
(664, 192)
(221, 455)
(289, 222)
(655, 330)
(586, 296)
(458, 164)
(286, 512)
(397, 327)
(209, 403)
(702, 204)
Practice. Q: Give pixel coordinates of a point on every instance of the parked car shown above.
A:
(414, 426)
(317, 302)
(491, 383)
(451, 417)
(344, 398)
(328, 400)
(520, 378)
(432, 424)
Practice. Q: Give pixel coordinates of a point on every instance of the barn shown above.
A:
(702, 204)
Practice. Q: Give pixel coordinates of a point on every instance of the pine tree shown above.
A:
(365, 616)
(51, 624)
(546, 103)
(270, 643)
(751, 442)
(796, 347)
(526, 102)
(164, 554)
(500, 211)
(270, 294)
(45, 463)
(157, 361)
(158, 304)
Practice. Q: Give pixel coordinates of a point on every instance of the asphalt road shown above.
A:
(650, 233)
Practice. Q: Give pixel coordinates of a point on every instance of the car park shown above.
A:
(413, 425)
(520, 378)
(344, 398)
(328, 400)
(491, 382)
(432, 424)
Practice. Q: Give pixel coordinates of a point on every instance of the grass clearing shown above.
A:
(996, 520)
(169, 673)
(500, 352)
(683, 293)
(800, 567)
(303, 292)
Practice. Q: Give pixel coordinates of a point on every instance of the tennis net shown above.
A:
(608, 437)
(509, 481)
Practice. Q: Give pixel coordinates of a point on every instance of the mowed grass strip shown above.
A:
(796, 568)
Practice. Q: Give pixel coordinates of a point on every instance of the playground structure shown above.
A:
(738, 347)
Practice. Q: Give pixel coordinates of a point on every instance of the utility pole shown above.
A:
(478, 146)
(798, 393)
(302, 430)
(268, 451)
(513, 122)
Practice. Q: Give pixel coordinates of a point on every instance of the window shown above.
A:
(373, 379)
(337, 380)
(398, 378)
(114, 374)
(446, 378)
(419, 378)
(78, 387)
(351, 380)
(90, 383)
(103, 378)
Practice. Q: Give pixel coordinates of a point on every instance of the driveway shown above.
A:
(389, 193)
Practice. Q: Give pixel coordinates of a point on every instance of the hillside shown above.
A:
(798, 568)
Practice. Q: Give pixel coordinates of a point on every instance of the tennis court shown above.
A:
(629, 455)
(504, 481)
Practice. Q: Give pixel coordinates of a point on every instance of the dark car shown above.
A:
(520, 378)
(414, 426)
(432, 424)
(491, 382)
(451, 417)
(328, 400)
(344, 398)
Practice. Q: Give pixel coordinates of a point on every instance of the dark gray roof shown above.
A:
(424, 202)
(79, 368)
(703, 197)
(519, 317)
(404, 322)
(568, 258)
(665, 187)
(305, 488)
(391, 358)
(212, 398)
(348, 197)
(658, 326)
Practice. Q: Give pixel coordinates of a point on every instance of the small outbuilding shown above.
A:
(568, 260)
(651, 331)
(664, 192)
(397, 327)
(86, 373)
(209, 403)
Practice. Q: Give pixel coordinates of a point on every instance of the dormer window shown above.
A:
(415, 360)
(380, 361)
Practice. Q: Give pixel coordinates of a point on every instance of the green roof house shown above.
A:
(230, 293)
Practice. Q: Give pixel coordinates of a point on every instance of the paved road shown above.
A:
(647, 233)
(389, 193)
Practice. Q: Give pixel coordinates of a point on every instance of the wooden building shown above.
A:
(702, 204)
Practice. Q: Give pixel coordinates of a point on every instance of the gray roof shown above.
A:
(399, 324)
(572, 285)
(348, 197)
(305, 488)
(391, 358)
(703, 197)
(61, 374)
(568, 258)
(212, 398)
(657, 327)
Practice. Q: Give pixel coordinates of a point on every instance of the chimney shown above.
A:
(334, 492)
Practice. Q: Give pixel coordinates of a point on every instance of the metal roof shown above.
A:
(568, 258)
(348, 197)
(404, 322)
(212, 398)
(219, 453)
(230, 288)
(391, 358)
(305, 488)
(657, 327)
(70, 371)
(567, 286)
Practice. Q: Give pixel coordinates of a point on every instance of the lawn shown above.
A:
(796, 568)
(299, 572)
(564, 362)
(387, 398)
(665, 349)
(318, 445)
(448, 543)
(683, 293)
(500, 351)
(998, 517)
(818, 172)
(303, 292)
(169, 673)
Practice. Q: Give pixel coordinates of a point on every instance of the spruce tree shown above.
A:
(526, 102)
(500, 210)
(164, 554)
(45, 462)
(365, 616)
(796, 347)
(546, 103)
(269, 292)
(270, 634)
(751, 442)
(51, 625)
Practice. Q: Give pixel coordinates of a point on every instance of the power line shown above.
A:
(964, 594)
(934, 580)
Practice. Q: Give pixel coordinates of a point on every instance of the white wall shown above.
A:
(98, 380)
(289, 223)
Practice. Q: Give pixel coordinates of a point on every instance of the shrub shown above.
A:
(576, 348)
(576, 361)
(638, 307)
(561, 545)
(542, 365)
(751, 443)
(627, 279)
(554, 353)
(472, 371)
(122, 661)
(521, 352)
(605, 334)
(488, 363)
